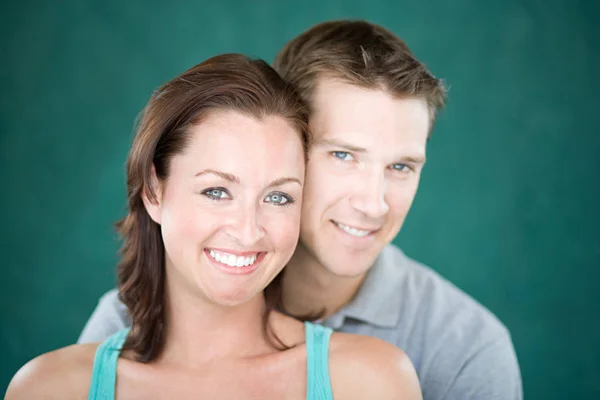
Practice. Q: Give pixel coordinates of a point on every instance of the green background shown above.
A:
(509, 203)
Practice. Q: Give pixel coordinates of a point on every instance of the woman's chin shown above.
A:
(232, 297)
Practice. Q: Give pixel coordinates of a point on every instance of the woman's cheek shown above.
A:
(286, 229)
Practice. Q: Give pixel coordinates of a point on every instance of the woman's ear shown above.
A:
(153, 205)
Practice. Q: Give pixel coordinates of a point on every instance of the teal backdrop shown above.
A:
(509, 204)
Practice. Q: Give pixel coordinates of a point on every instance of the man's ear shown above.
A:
(153, 206)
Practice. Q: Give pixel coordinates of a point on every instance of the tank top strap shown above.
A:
(318, 385)
(104, 373)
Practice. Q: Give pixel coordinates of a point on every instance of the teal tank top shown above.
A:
(318, 385)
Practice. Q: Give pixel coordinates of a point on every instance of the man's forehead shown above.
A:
(368, 119)
(340, 103)
(366, 132)
(332, 94)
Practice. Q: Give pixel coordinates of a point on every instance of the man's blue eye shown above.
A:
(400, 167)
(342, 155)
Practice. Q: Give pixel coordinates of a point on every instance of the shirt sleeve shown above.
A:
(492, 373)
(110, 316)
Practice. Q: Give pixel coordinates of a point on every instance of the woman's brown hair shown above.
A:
(230, 82)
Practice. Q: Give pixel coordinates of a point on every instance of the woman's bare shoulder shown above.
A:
(61, 374)
(366, 367)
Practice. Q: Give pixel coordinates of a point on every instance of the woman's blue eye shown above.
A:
(279, 199)
(342, 155)
(216, 194)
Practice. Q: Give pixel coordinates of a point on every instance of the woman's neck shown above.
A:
(199, 331)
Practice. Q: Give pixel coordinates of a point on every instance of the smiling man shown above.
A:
(372, 106)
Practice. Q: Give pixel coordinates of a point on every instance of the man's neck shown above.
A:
(309, 288)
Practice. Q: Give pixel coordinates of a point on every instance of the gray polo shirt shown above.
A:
(460, 350)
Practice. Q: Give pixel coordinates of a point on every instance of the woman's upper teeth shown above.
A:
(232, 260)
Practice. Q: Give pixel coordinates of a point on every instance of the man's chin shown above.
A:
(338, 260)
(347, 266)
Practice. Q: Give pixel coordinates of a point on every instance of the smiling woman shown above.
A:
(230, 106)
(215, 180)
(232, 208)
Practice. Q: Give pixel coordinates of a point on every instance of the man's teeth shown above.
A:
(232, 260)
(352, 231)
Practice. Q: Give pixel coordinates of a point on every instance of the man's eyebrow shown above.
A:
(284, 180)
(341, 144)
(415, 159)
(225, 175)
